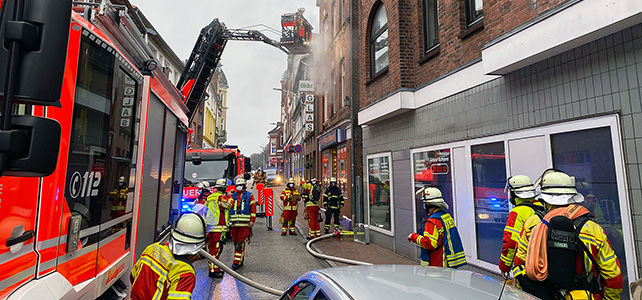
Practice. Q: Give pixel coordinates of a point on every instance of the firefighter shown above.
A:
(290, 197)
(573, 278)
(332, 202)
(522, 195)
(256, 178)
(164, 270)
(242, 217)
(439, 239)
(218, 205)
(119, 198)
(203, 192)
(313, 192)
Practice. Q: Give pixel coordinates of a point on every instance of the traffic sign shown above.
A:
(274, 160)
(298, 148)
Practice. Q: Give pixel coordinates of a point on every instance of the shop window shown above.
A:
(342, 177)
(431, 24)
(491, 202)
(432, 168)
(592, 165)
(379, 42)
(474, 11)
(379, 192)
(326, 157)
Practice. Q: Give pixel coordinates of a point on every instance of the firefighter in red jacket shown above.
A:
(242, 217)
(218, 205)
(290, 197)
(522, 196)
(119, 198)
(163, 270)
(312, 193)
(204, 192)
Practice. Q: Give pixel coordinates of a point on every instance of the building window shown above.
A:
(326, 33)
(334, 92)
(474, 11)
(432, 168)
(431, 24)
(379, 42)
(491, 202)
(342, 166)
(335, 17)
(379, 192)
(342, 12)
(343, 83)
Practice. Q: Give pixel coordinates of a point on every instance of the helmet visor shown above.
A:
(526, 194)
(562, 199)
(179, 248)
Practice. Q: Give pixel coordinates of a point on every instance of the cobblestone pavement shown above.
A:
(271, 259)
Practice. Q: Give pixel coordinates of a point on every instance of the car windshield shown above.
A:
(270, 171)
(206, 170)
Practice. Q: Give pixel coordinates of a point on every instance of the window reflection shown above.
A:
(379, 195)
(432, 168)
(593, 166)
(491, 204)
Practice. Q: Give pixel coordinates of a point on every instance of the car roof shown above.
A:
(413, 282)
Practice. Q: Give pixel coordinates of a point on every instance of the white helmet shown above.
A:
(203, 185)
(190, 229)
(221, 183)
(432, 197)
(559, 189)
(521, 186)
(240, 181)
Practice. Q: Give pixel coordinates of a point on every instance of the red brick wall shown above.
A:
(409, 66)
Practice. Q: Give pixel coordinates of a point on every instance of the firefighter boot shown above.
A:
(218, 274)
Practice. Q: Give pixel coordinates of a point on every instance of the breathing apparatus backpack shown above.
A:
(565, 251)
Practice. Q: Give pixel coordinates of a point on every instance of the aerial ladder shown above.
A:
(201, 65)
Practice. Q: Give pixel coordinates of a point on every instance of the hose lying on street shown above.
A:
(328, 257)
(238, 276)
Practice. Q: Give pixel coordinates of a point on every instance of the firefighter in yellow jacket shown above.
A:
(598, 258)
(522, 195)
(290, 197)
(163, 270)
(218, 205)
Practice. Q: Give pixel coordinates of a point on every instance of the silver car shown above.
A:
(398, 282)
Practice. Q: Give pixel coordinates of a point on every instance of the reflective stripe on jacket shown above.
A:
(440, 241)
(218, 214)
(594, 237)
(159, 275)
(244, 209)
(333, 197)
(290, 199)
(513, 229)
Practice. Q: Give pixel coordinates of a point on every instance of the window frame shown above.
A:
(472, 17)
(470, 246)
(372, 39)
(428, 46)
(366, 199)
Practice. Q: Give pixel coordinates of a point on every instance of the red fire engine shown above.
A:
(82, 157)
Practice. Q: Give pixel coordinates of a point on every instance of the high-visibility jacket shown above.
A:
(119, 202)
(594, 237)
(290, 198)
(243, 210)
(218, 213)
(440, 243)
(306, 194)
(333, 197)
(523, 209)
(160, 275)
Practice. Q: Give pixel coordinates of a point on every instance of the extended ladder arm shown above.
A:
(254, 35)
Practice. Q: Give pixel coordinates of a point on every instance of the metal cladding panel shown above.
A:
(166, 176)
(151, 175)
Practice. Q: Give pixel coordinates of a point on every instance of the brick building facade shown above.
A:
(474, 92)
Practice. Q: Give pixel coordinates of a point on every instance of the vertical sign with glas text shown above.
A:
(309, 112)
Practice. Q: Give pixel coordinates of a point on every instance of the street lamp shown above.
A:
(296, 96)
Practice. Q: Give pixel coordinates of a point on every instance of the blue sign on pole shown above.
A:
(298, 148)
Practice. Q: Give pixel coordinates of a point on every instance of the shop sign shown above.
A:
(333, 137)
(309, 117)
(309, 98)
(309, 127)
(306, 86)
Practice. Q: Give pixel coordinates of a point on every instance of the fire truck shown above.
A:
(210, 165)
(92, 144)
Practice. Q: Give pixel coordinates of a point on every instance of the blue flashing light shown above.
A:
(493, 199)
(185, 207)
(496, 205)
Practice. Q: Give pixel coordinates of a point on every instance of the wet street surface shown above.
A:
(270, 259)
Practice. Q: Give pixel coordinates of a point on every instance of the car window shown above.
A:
(320, 296)
(299, 291)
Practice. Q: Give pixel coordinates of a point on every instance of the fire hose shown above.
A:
(328, 257)
(238, 276)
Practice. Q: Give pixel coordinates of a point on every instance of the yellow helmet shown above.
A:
(290, 180)
(333, 179)
(240, 181)
(121, 179)
(559, 189)
(520, 183)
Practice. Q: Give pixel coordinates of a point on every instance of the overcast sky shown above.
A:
(252, 68)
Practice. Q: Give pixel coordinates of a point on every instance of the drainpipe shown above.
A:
(356, 208)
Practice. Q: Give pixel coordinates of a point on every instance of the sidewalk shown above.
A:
(346, 247)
